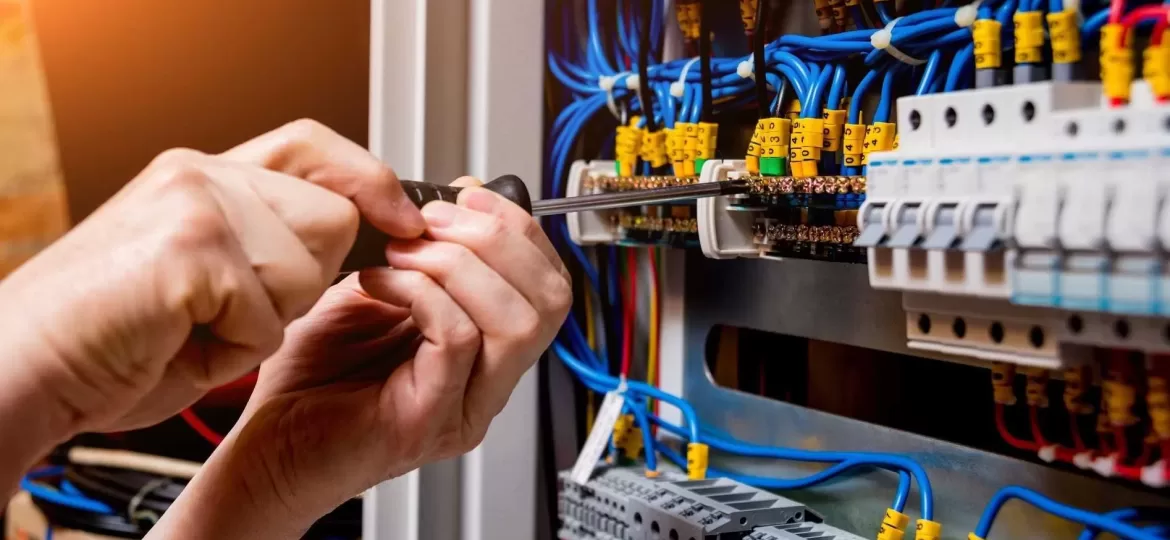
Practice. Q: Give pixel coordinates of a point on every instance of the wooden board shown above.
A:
(32, 194)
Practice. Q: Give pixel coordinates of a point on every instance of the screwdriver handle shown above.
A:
(509, 186)
(369, 247)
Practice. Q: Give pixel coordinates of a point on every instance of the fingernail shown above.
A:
(439, 214)
(482, 200)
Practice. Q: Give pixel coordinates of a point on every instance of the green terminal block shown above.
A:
(617, 167)
(773, 166)
(699, 162)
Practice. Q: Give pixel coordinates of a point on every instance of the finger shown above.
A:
(308, 150)
(466, 182)
(289, 238)
(513, 256)
(515, 218)
(451, 340)
(513, 331)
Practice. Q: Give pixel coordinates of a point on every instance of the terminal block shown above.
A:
(622, 504)
(708, 509)
(801, 531)
(782, 216)
(671, 224)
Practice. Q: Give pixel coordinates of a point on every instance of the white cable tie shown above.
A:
(633, 82)
(1047, 454)
(1155, 475)
(678, 88)
(606, 84)
(883, 40)
(747, 68)
(966, 15)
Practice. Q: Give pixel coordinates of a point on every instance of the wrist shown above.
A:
(32, 418)
(249, 488)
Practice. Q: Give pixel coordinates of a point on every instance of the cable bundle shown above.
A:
(126, 500)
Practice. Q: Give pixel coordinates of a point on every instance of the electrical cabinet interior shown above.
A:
(974, 190)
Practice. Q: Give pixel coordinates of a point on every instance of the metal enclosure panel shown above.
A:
(418, 115)
(833, 302)
(505, 133)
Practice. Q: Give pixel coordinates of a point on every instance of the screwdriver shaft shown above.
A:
(622, 199)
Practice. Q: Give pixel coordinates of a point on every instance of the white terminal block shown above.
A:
(597, 227)
(725, 233)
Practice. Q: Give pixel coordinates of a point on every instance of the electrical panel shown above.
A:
(990, 173)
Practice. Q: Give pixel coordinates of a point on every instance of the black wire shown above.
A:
(114, 495)
(644, 66)
(91, 522)
(761, 66)
(705, 56)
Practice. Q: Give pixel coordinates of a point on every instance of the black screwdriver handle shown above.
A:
(369, 248)
(509, 186)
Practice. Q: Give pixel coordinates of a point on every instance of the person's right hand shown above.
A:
(185, 280)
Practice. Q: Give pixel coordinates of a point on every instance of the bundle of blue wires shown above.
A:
(601, 382)
(1113, 522)
(813, 69)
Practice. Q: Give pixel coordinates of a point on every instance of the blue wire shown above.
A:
(883, 109)
(858, 16)
(1098, 521)
(859, 95)
(77, 502)
(1095, 22)
(612, 383)
(1141, 513)
(883, 11)
(929, 74)
(959, 67)
(837, 89)
(639, 410)
(597, 57)
(725, 444)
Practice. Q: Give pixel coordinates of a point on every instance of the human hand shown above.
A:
(184, 280)
(400, 368)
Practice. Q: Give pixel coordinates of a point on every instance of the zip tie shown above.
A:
(966, 15)
(678, 88)
(747, 68)
(606, 84)
(145, 515)
(882, 39)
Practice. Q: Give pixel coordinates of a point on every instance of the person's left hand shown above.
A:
(388, 372)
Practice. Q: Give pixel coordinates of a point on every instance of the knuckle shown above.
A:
(462, 334)
(492, 232)
(200, 225)
(559, 295)
(526, 328)
(460, 256)
(306, 130)
(179, 168)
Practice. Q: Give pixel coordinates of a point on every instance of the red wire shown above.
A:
(1137, 15)
(1074, 427)
(1034, 420)
(1122, 444)
(1001, 425)
(202, 429)
(630, 310)
(1116, 10)
(1146, 455)
(653, 256)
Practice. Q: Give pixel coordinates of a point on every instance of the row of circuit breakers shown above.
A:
(1034, 211)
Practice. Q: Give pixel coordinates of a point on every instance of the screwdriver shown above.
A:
(512, 188)
(368, 249)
